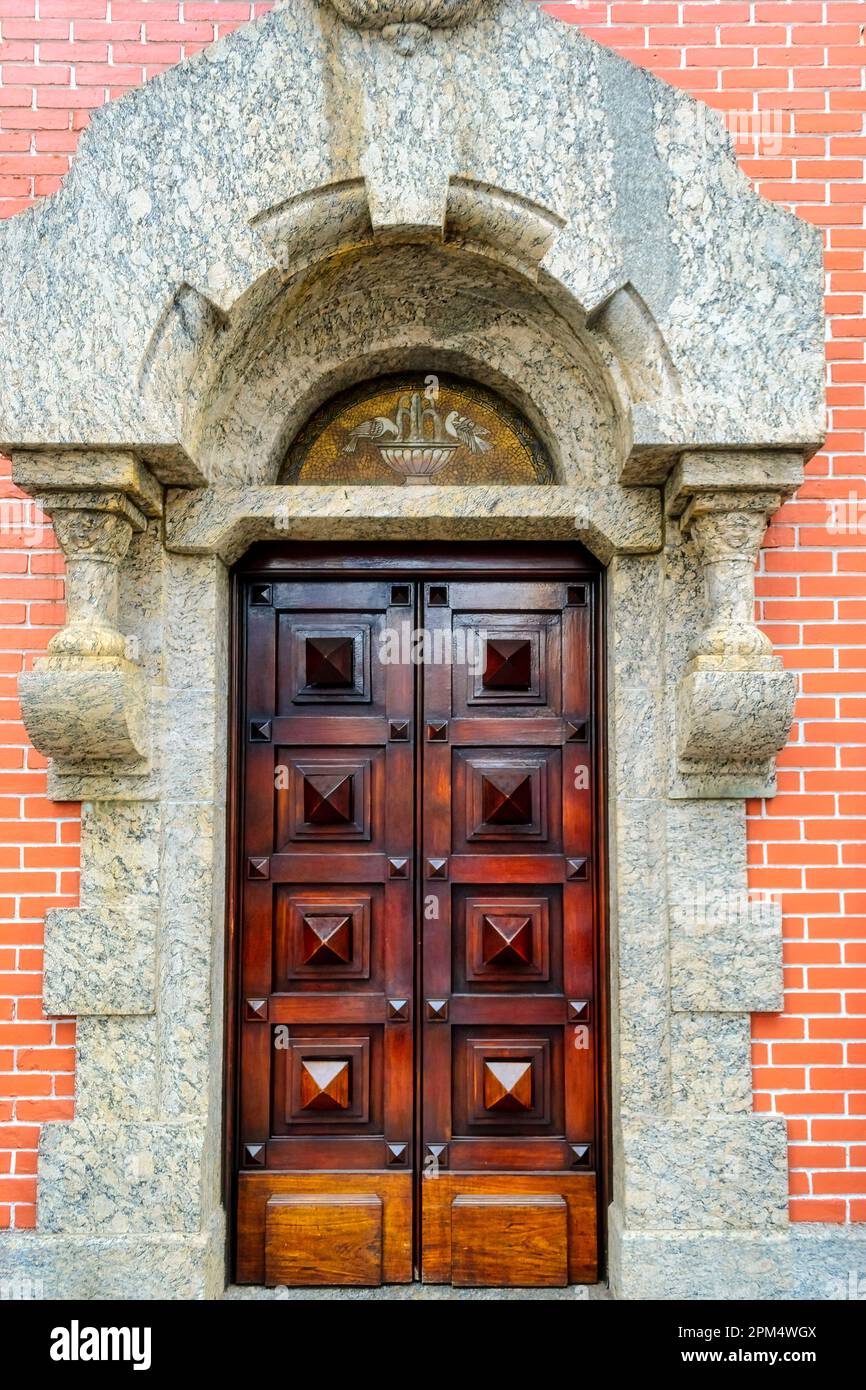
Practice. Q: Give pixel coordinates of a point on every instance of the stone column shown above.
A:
(84, 702)
(85, 699)
(735, 701)
(700, 1207)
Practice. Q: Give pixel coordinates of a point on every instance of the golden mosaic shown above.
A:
(417, 428)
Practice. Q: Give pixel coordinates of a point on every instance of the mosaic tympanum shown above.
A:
(417, 428)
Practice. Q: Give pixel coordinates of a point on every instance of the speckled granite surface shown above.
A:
(641, 177)
(301, 206)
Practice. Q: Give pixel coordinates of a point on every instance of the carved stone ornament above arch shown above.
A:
(378, 14)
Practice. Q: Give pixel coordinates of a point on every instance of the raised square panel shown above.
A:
(506, 796)
(508, 660)
(507, 939)
(330, 662)
(328, 799)
(322, 936)
(508, 1081)
(512, 666)
(509, 1239)
(329, 1081)
(323, 1238)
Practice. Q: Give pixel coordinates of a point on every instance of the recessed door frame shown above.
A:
(415, 562)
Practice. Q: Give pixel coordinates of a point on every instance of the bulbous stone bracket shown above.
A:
(735, 701)
(85, 699)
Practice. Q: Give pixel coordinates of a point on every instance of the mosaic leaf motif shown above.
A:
(366, 435)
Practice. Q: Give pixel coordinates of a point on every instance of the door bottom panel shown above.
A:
(477, 1234)
(327, 1237)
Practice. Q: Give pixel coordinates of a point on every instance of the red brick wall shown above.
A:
(794, 71)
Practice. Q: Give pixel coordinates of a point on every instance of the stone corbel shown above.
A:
(85, 700)
(735, 700)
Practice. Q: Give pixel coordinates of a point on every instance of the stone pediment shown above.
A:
(220, 189)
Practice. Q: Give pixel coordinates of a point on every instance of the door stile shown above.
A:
(398, 1078)
(434, 850)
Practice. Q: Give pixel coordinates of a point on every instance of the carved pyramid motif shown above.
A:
(330, 661)
(506, 940)
(508, 800)
(326, 801)
(507, 1085)
(508, 664)
(327, 940)
(325, 1084)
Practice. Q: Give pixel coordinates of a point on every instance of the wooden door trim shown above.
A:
(436, 560)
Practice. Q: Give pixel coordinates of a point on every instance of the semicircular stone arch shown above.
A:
(409, 306)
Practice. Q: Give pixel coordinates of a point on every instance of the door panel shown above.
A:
(326, 1052)
(508, 1072)
(469, 781)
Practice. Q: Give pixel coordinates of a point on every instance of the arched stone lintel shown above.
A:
(226, 521)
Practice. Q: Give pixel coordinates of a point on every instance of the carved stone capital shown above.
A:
(735, 701)
(381, 14)
(85, 699)
(726, 530)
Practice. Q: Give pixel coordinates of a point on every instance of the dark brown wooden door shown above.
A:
(418, 961)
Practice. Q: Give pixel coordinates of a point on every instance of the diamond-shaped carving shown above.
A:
(506, 940)
(325, 1083)
(328, 801)
(507, 664)
(581, 1155)
(398, 1010)
(577, 595)
(435, 1156)
(330, 662)
(437, 731)
(398, 868)
(437, 1010)
(324, 1079)
(401, 595)
(398, 730)
(508, 800)
(397, 1153)
(261, 595)
(257, 1010)
(578, 1010)
(260, 731)
(255, 1155)
(437, 868)
(577, 869)
(326, 940)
(576, 733)
(507, 1084)
(320, 934)
(437, 596)
(259, 867)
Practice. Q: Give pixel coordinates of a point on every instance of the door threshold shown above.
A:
(417, 1293)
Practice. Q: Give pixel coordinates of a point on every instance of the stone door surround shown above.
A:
(314, 201)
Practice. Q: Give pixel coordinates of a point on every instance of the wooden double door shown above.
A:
(419, 981)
